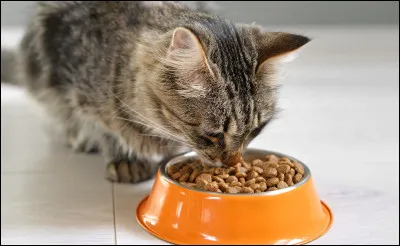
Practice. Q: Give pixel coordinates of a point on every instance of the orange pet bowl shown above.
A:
(182, 215)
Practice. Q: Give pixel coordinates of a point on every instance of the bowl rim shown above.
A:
(191, 154)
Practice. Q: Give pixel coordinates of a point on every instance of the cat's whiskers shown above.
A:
(146, 120)
(172, 146)
(145, 124)
(171, 137)
(143, 117)
(155, 135)
(158, 130)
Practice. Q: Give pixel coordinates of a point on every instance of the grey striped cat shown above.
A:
(143, 81)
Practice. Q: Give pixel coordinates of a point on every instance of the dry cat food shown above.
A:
(271, 174)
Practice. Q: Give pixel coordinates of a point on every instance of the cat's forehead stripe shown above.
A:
(235, 66)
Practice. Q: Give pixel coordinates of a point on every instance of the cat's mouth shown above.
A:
(208, 160)
(217, 162)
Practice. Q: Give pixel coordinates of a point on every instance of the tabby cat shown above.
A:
(143, 81)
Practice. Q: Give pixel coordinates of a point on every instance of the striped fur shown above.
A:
(141, 81)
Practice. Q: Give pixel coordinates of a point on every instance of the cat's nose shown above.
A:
(231, 159)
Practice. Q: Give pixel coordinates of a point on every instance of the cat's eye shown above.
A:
(210, 139)
(226, 124)
(205, 141)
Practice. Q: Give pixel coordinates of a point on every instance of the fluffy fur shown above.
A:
(141, 81)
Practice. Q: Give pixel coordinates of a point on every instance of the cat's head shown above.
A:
(217, 87)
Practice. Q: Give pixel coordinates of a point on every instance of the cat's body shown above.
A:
(141, 81)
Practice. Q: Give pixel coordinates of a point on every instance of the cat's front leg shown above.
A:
(130, 170)
(138, 161)
(123, 162)
(81, 143)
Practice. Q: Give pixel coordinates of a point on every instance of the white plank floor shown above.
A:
(341, 117)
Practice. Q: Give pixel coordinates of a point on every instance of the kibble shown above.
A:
(207, 177)
(257, 176)
(281, 176)
(241, 175)
(201, 183)
(236, 183)
(211, 187)
(211, 170)
(286, 161)
(270, 172)
(232, 190)
(246, 190)
(289, 179)
(260, 179)
(176, 175)
(173, 169)
(297, 178)
(223, 176)
(259, 170)
(272, 158)
(257, 163)
(298, 168)
(186, 169)
(219, 171)
(282, 185)
(283, 169)
(254, 186)
(272, 182)
(250, 182)
(184, 177)
(194, 175)
(252, 175)
(218, 179)
(263, 186)
(223, 186)
(230, 179)
(272, 165)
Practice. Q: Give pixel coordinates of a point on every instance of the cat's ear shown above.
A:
(185, 40)
(278, 47)
(187, 57)
(186, 51)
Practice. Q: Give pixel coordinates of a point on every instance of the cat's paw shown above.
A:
(126, 171)
(83, 145)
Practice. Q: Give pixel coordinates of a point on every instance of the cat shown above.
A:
(140, 82)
